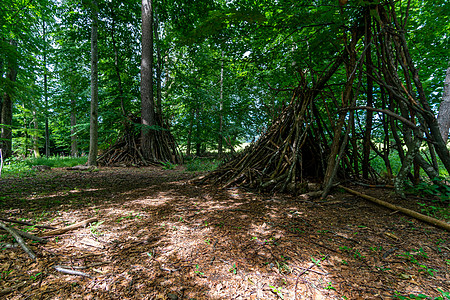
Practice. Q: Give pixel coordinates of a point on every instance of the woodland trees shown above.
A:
(444, 109)
(93, 129)
(347, 87)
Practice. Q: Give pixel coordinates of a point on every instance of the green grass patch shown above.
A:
(202, 164)
(57, 161)
(17, 167)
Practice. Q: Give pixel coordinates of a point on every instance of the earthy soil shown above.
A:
(159, 236)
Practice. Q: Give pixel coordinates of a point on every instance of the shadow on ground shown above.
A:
(160, 237)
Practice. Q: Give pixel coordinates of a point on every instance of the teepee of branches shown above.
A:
(127, 149)
(294, 146)
(300, 144)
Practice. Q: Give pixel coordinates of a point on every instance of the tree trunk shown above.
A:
(220, 141)
(47, 133)
(444, 110)
(147, 101)
(158, 73)
(93, 132)
(116, 67)
(7, 109)
(198, 144)
(73, 123)
(369, 113)
(35, 136)
(189, 137)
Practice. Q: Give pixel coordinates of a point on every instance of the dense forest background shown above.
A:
(221, 74)
(298, 109)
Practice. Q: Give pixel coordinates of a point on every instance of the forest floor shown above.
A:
(158, 236)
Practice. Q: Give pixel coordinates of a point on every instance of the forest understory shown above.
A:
(157, 235)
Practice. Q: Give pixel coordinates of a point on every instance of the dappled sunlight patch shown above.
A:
(160, 239)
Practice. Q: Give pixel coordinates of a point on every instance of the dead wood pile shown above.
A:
(293, 149)
(127, 149)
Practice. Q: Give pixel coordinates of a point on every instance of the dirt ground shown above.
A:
(158, 236)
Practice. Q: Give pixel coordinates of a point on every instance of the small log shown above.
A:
(411, 213)
(19, 240)
(69, 228)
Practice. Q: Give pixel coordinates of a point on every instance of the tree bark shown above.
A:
(189, 137)
(147, 100)
(444, 109)
(198, 144)
(73, 123)
(220, 141)
(116, 66)
(35, 136)
(7, 108)
(158, 73)
(93, 131)
(47, 132)
(369, 113)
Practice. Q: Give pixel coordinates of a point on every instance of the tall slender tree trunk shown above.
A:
(147, 100)
(369, 113)
(444, 109)
(189, 136)
(198, 144)
(73, 123)
(116, 66)
(35, 136)
(7, 109)
(47, 132)
(158, 73)
(220, 141)
(93, 131)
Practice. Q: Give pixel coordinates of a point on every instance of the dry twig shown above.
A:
(19, 240)
(71, 272)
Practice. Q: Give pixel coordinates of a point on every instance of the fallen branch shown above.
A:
(19, 240)
(69, 228)
(411, 213)
(71, 272)
(29, 236)
(26, 223)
